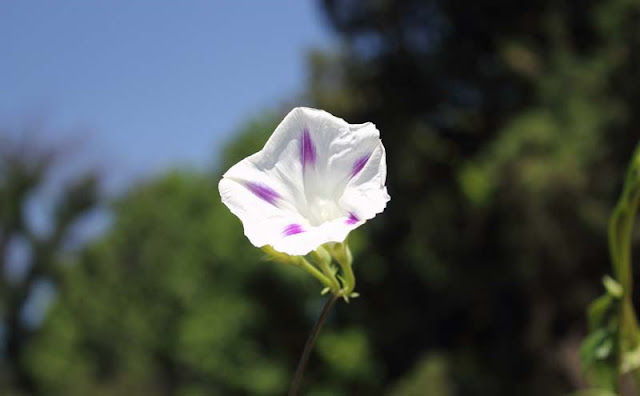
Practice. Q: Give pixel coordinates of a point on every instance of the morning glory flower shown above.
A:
(316, 179)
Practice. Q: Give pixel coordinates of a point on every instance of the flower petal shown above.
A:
(366, 194)
(359, 164)
(351, 150)
(292, 229)
(266, 224)
(263, 192)
(304, 242)
(353, 219)
(307, 149)
(259, 217)
(316, 179)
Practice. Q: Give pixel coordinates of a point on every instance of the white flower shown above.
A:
(316, 179)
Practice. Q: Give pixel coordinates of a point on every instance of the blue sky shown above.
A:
(142, 86)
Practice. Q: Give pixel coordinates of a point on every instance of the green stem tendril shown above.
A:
(342, 254)
(620, 233)
(316, 273)
(322, 258)
(349, 279)
(308, 347)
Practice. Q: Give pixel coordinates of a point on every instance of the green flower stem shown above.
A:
(322, 258)
(620, 233)
(342, 254)
(629, 325)
(308, 347)
(335, 285)
(310, 268)
(349, 278)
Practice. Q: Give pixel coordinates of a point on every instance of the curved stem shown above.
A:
(308, 347)
(335, 288)
(310, 268)
(342, 255)
(324, 263)
(349, 279)
(620, 232)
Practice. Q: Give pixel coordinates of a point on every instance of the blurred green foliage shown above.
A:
(25, 169)
(611, 352)
(165, 302)
(508, 126)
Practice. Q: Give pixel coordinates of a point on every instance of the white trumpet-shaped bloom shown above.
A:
(316, 179)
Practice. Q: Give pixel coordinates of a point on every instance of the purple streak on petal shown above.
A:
(292, 229)
(307, 149)
(359, 164)
(353, 219)
(263, 192)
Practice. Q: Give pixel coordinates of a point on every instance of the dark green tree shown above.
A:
(507, 127)
(24, 170)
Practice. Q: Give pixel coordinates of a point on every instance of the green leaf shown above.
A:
(594, 392)
(597, 356)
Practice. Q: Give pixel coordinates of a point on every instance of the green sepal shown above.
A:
(613, 287)
(630, 360)
(274, 255)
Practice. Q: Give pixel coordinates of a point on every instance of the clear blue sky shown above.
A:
(146, 85)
